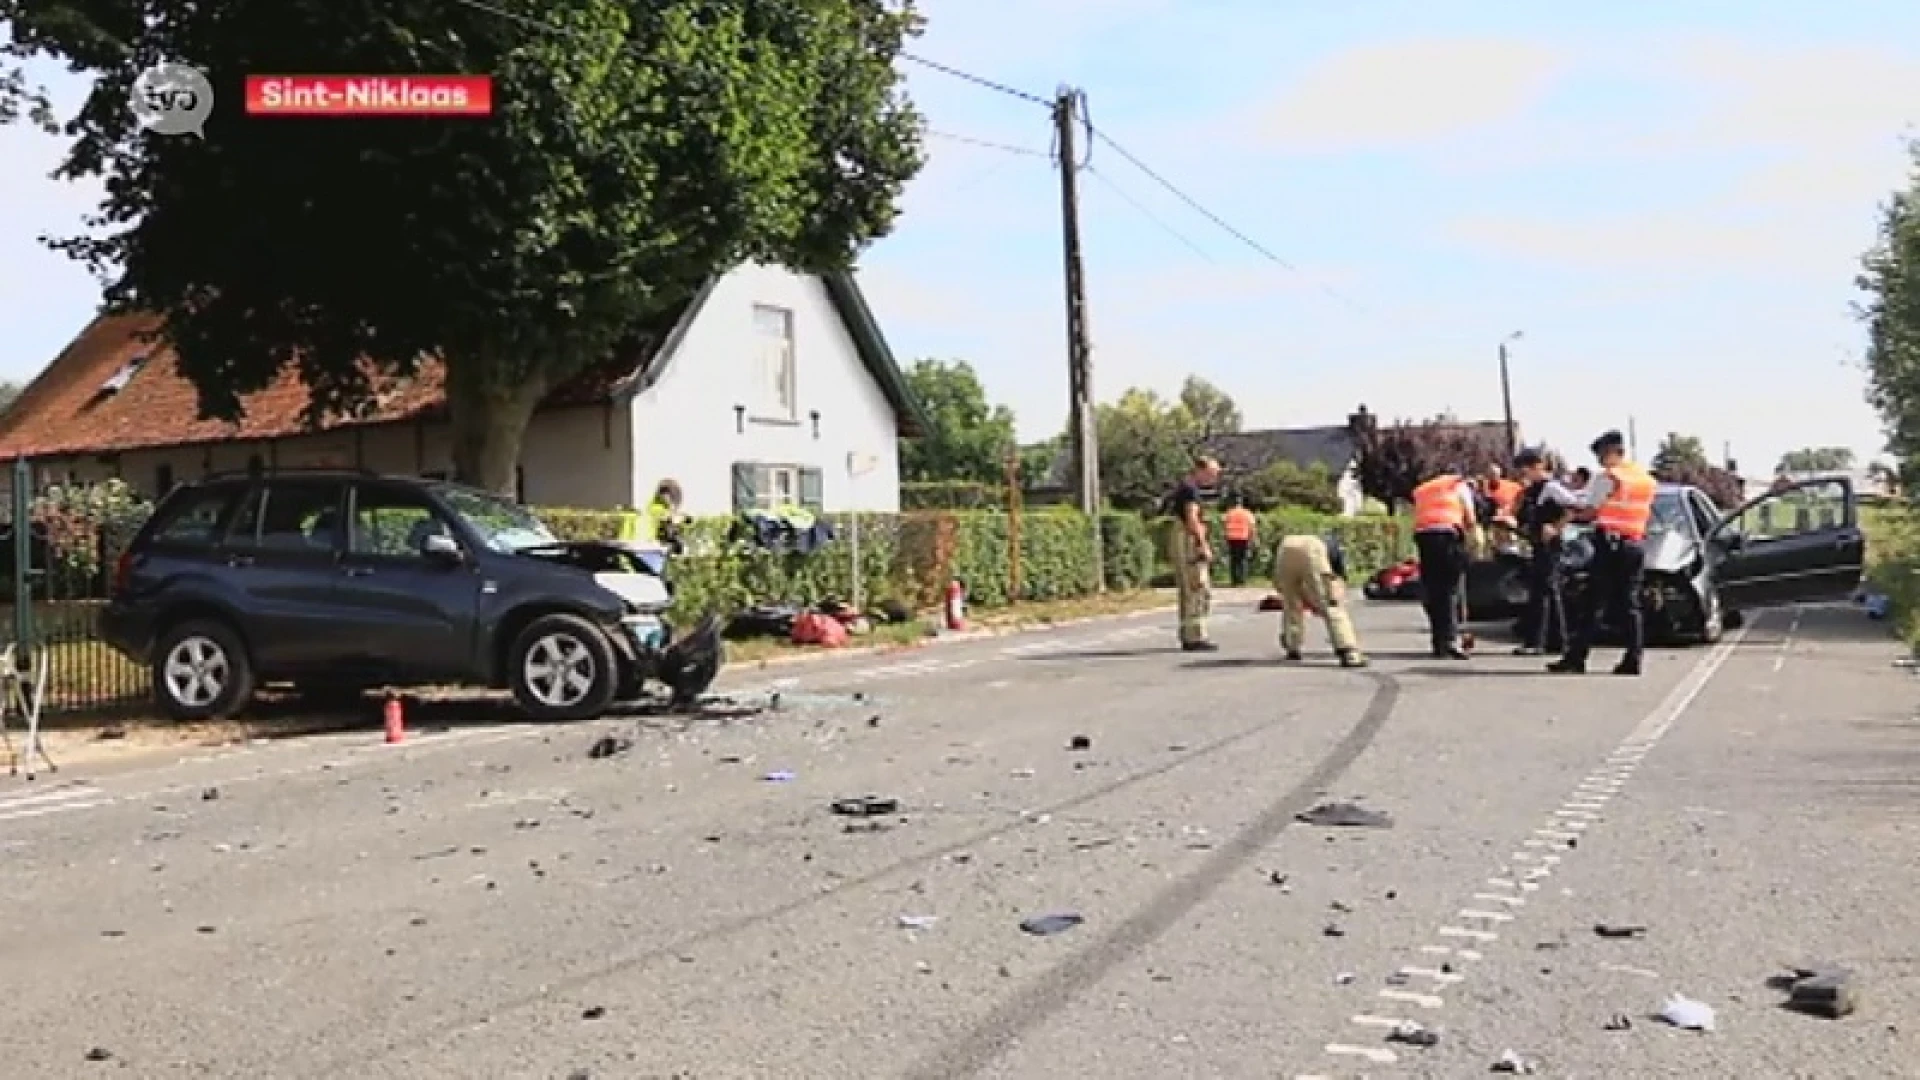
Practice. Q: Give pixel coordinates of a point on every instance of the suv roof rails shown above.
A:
(292, 470)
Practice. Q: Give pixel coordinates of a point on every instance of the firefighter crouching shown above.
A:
(1310, 574)
(1443, 518)
(1619, 503)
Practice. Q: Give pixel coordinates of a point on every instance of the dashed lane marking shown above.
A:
(1578, 812)
(41, 803)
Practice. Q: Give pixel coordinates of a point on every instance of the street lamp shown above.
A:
(1506, 393)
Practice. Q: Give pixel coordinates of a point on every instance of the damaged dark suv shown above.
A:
(336, 582)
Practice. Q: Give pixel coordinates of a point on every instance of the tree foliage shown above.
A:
(1285, 483)
(1209, 411)
(1146, 444)
(1815, 459)
(636, 149)
(1396, 459)
(1725, 489)
(1679, 451)
(1890, 280)
(9, 393)
(967, 438)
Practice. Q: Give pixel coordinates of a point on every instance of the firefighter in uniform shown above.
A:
(1541, 515)
(1192, 554)
(1619, 503)
(1310, 574)
(1443, 516)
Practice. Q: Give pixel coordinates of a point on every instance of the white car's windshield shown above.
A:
(503, 525)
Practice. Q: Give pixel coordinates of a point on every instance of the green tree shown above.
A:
(1677, 451)
(1146, 444)
(9, 393)
(1038, 461)
(1816, 459)
(1209, 411)
(967, 437)
(1285, 483)
(636, 149)
(1890, 280)
(1394, 460)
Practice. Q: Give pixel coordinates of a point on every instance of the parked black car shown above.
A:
(1797, 544)
(339, 581)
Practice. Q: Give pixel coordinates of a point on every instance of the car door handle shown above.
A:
(239, 561)
(357, 571)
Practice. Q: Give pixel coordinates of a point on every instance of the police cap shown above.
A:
(1528, 458)
(1611, 440)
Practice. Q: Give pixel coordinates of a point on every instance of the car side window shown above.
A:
(393, 523)
(1798, 511)
(194, 521)
(1705, 517)
(289, 516)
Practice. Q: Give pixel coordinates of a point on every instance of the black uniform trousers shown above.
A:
(1443, 566)
(1613, 589)
(1545, 620)
(1237, 555)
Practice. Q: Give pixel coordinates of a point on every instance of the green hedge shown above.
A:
(910, 557)
(1371, 541)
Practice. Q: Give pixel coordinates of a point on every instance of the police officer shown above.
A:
(1541, 514)
(1310, 574)
(1192, 554)
(1443, 515)
(1619, 503)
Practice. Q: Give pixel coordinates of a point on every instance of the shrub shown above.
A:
(1127, 550)
(1371, 542)
(952, 495)
(1893, 565)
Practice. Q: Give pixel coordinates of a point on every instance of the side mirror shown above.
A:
(441, 548)
(1731, 541)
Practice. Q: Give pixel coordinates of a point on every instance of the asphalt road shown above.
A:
(490, 901)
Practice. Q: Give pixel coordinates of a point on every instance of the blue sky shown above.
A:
(1668, 199)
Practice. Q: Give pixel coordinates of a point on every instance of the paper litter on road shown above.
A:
(917, 922)
(1687, 1014)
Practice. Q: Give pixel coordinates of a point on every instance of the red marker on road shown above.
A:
(396, 720)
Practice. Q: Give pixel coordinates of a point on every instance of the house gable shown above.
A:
(706, 405)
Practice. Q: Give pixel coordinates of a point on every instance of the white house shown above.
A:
(767, 387)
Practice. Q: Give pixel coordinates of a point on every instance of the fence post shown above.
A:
(22, 556)
(1014, 583)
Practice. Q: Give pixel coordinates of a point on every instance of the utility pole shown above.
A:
(1082, 434)
(1506, 395)
(1633, 440)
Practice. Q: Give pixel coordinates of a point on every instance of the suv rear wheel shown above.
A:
(562, 667)
(201, 671)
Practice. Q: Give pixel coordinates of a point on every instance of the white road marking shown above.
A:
(1489, 916)
(1365, 1020)
(1425, 1001)
(1510, 901)
(1379, 1055)
(1503, 883)
(1463, 932)
(36, 796)
(56, 808)
(1435, 974)
(1581, 814)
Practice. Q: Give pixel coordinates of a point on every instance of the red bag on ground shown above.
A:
(813, 628)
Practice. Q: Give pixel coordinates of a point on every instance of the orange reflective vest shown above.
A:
(1436, 505)
(1238, 523)
(1629, 505)
(1506, 495)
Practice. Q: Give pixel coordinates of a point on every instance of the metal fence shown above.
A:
(57, 575)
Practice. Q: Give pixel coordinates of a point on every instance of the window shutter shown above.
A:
(812, 490)
(745, 495)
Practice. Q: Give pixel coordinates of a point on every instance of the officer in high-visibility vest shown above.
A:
(1618, 503)
(1310, 574)
(661, 521)
(1239, 525)
(1443, 515)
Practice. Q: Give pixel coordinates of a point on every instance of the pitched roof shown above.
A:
(1249, 452)
(112, 389)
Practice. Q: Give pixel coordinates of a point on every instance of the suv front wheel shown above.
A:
(562, 667)
(201, 671)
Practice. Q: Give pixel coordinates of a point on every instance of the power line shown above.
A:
(977, 80)
(1266, 252)
(1146, 213)
(987, 144)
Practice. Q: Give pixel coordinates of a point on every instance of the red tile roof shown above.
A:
(67, 410)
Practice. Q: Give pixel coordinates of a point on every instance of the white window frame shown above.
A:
(777, 388)
(766, 486)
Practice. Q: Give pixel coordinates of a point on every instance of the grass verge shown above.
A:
(1893, 565)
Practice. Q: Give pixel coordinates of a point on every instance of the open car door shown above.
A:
(1797, 544)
